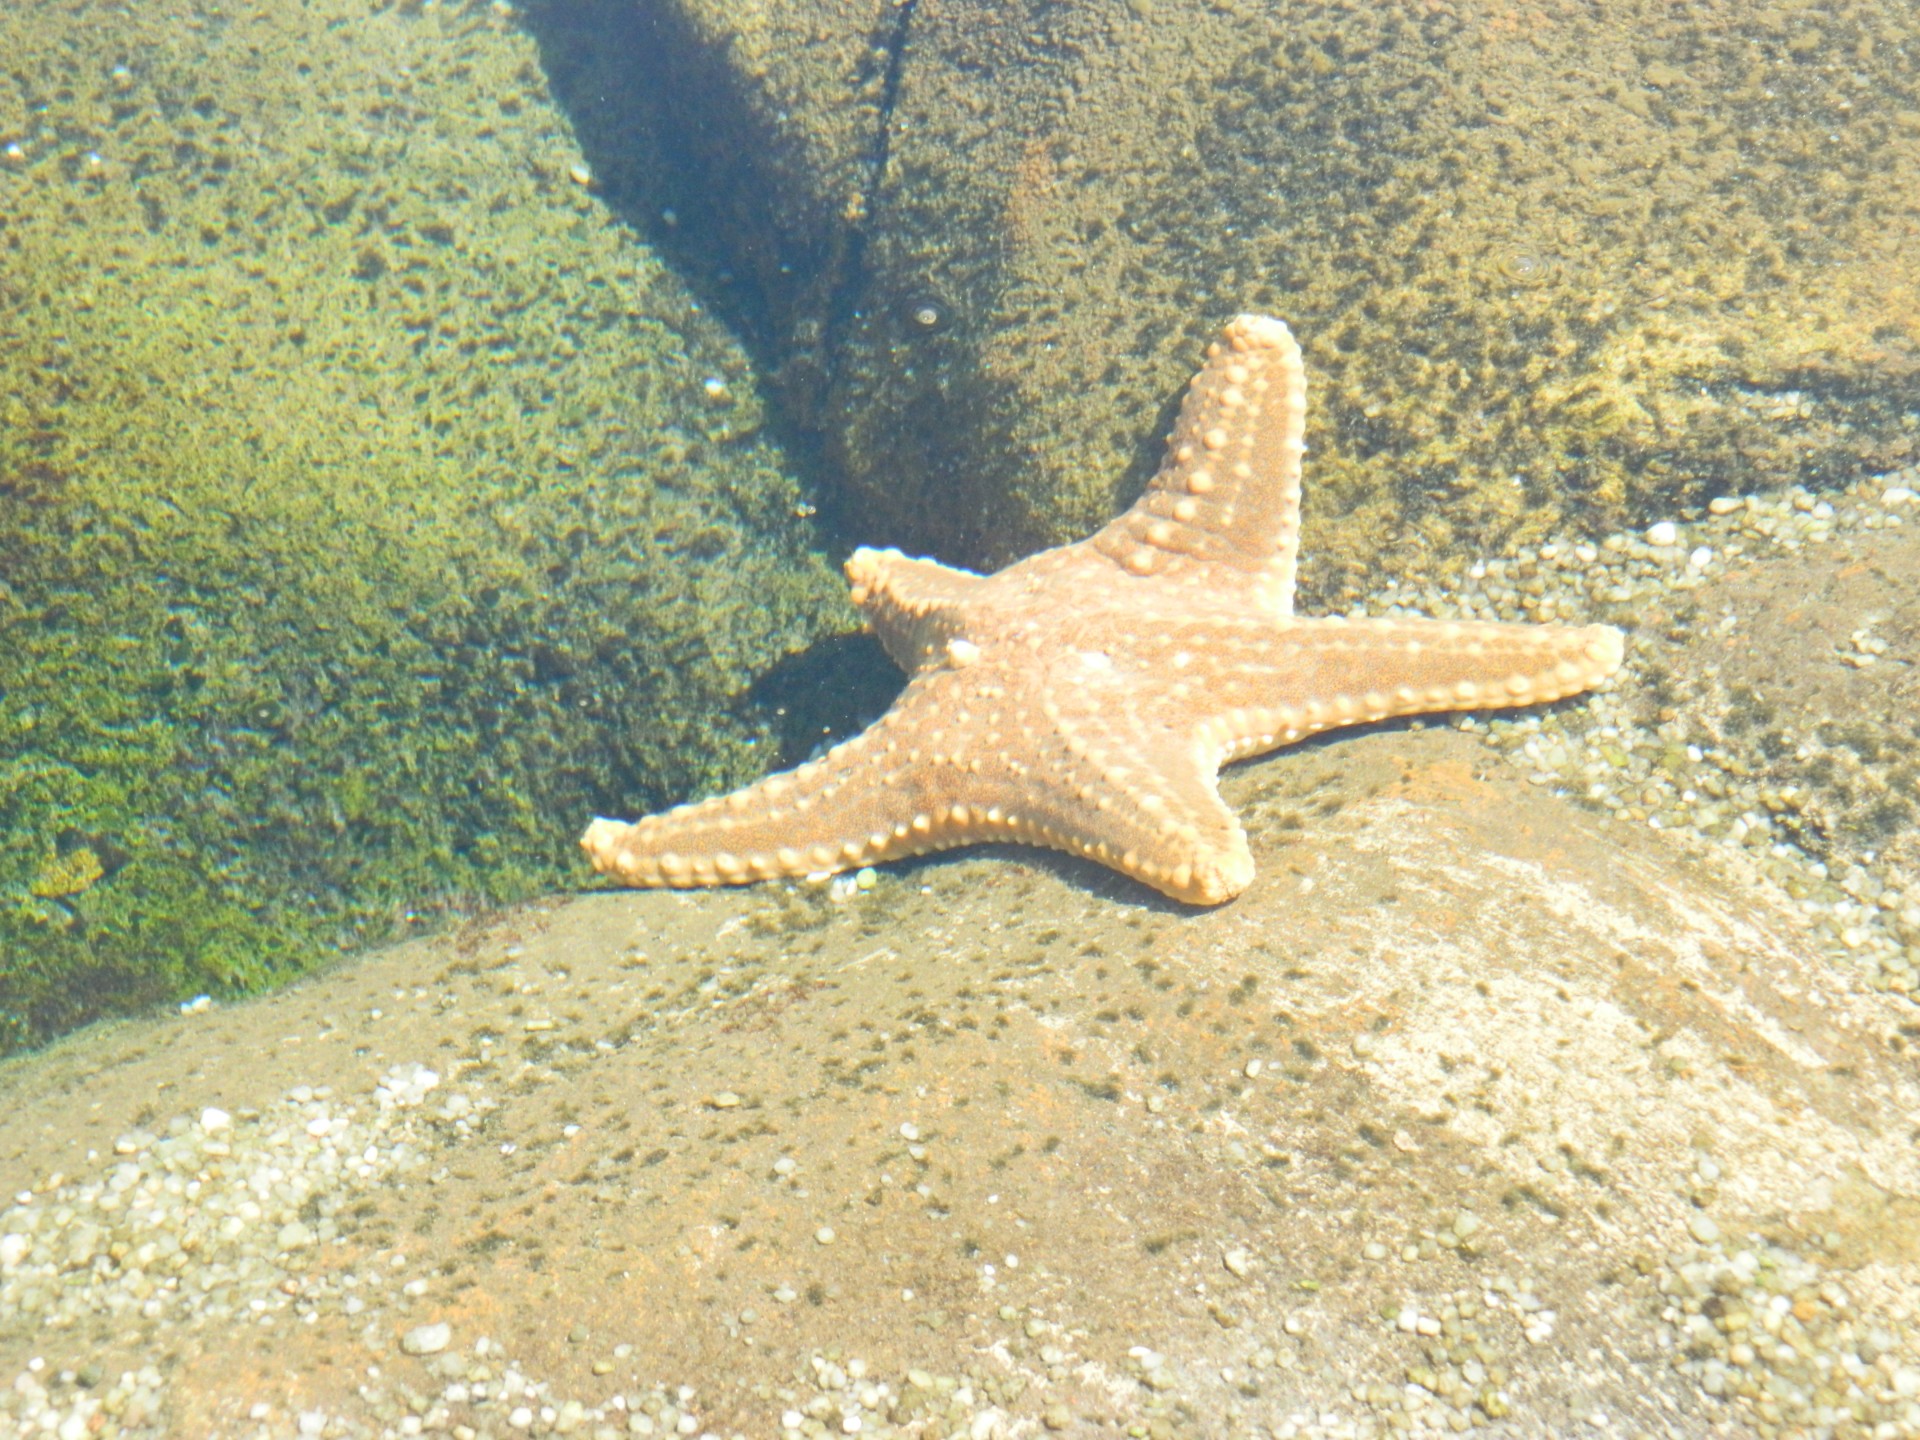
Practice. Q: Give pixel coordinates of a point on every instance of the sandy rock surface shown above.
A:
(1474, 1104)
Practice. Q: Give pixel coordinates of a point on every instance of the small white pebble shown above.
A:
(427, 1339)
(214, 1118)
(824, 1235)
(1663, 533)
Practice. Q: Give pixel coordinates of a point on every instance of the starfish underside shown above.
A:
(1086, 697)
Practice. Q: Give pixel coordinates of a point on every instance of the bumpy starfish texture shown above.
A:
(1086, 697)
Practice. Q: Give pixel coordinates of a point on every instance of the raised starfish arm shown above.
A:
(1228, 493)
(912, 605)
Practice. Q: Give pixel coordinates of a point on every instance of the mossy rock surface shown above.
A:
(374, 507)
(1583, 266)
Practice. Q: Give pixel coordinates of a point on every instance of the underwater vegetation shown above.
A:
(371, 512)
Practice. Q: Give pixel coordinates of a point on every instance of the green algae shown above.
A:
(372, 509)
(1568, 267)
(1525, 304)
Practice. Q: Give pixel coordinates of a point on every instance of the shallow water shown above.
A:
(426, 427)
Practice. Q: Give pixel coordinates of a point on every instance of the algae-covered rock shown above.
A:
(1577, 265)
(745, 140)
(373, 506)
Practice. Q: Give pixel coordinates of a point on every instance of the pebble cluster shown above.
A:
(1774, 1335)
(1609, 750)
(215, 1218)
(1771, 1334)
(226, 1219)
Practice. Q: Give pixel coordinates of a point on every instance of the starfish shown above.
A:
(1086, 697)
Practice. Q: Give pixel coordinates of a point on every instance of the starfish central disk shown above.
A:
(1086, 697)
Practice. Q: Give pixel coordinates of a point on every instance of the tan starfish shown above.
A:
(1086, 697)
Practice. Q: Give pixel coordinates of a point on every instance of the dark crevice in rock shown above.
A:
(890, 39)
(681, 149)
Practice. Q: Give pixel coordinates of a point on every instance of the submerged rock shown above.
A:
(1473, 1105)
(1581, 268)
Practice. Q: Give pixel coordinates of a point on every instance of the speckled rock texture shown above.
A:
(1584, 263)
(1810, 671)
(1473, 1105)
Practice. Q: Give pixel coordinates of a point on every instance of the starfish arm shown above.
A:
(1149, 806)
(847, 808)
(914, 606)
(915, 783)
(1120, 780)
(911, 784)
(1322, 674)
(1228, 493)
